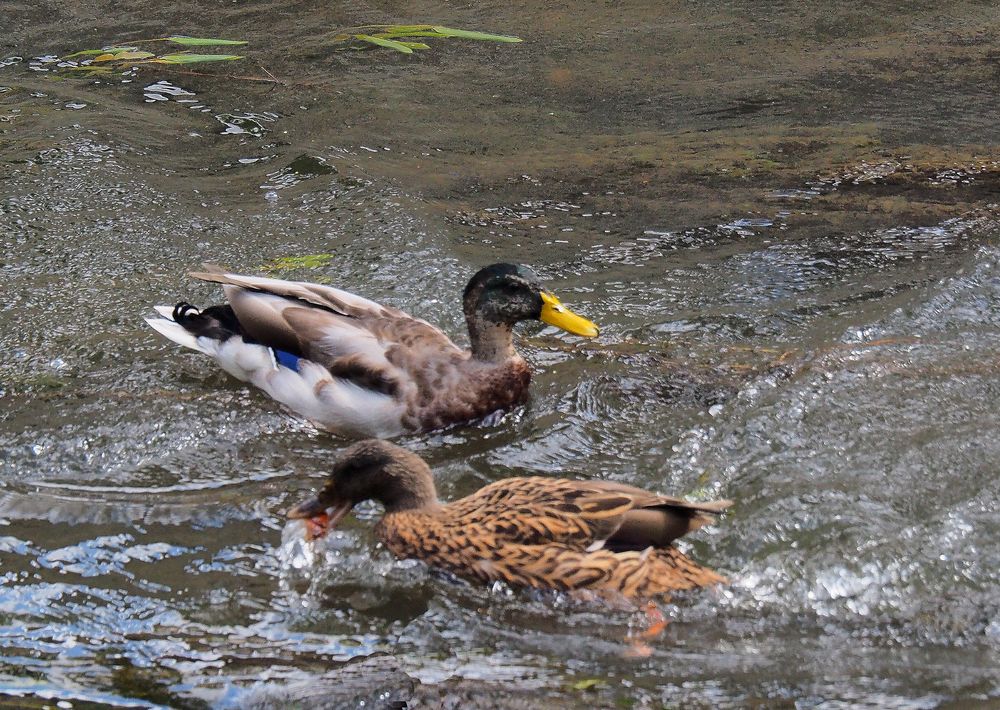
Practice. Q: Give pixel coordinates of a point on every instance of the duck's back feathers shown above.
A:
(587, 513)
(328, 297)
(541, 510)
(560, 534)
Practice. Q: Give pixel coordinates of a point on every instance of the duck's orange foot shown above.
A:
(655, 626)
(317, 526)
(656, 620)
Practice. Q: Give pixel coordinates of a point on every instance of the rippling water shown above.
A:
(797, 275)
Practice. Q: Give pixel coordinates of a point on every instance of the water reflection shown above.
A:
(249, 123)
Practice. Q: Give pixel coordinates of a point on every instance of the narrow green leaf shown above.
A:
(407, 28)
(201, 41)
(98, 52)
(306, 261)
(126, 55)
(468, 34)
(402, 29)
(416, 45)
(398, 46)
(188, 58)
(85, 53)
(415, 33)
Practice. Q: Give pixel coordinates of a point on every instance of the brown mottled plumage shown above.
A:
(355, 367)
(546, 533)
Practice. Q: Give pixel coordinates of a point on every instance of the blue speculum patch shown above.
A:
(287, 359)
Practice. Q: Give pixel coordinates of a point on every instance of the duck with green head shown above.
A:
(357, 368)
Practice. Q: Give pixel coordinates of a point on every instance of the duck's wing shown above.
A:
(549, 540)
(536, 511)
(657, 520)
(355, 338)
(259, 302)
(327, 297)
(584, 515)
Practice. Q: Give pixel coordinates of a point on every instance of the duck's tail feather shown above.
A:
(186, 325)
(215, 322)
(175, 331)
(216, 333)
(305, 387)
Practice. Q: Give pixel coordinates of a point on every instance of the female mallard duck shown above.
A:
(546, 533)
(357, 368)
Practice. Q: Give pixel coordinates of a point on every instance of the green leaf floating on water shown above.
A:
(383, 42)
(588, 684)
(395, 36)
(124, 55)
(85, 53)
(98, 52)
(189, 58)
(306, 261)
(401, 29)
(117, 55)
(422, 33)
(468, 34)
(201, 41)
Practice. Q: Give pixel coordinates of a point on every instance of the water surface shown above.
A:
(785, 219)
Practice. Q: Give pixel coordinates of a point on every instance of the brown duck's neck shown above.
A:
(412, 502)
(491, 342)
(432, 508)
(409, 485)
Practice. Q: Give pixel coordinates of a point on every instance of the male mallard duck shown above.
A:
(354, 367)
(547, 533)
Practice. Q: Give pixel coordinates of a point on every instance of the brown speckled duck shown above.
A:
(357, 368)
(546, 533)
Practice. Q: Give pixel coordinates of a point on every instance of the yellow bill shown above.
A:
(555, 313)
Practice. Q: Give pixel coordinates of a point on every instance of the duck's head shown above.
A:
(369, 470)
(504, 294)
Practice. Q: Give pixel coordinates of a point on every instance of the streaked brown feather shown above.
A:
(536, 532)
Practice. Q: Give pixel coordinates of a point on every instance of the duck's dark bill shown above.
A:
(555, 313)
